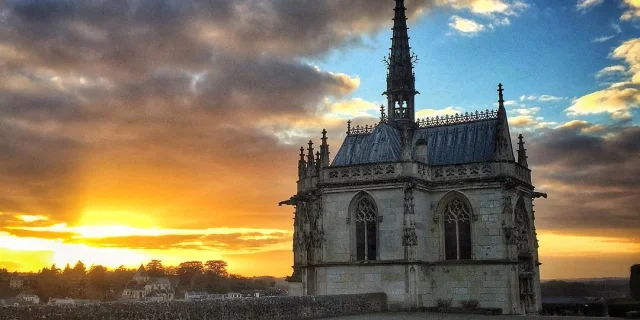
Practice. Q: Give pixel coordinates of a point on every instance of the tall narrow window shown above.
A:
(366, 218)
(457, 229)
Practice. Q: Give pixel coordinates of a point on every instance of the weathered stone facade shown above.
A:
(421, 210)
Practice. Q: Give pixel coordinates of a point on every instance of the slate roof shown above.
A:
(141, 272)
(134, 285)
(160, 281)
(448, 144)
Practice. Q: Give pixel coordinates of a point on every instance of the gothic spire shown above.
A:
(522, 152)
(503, 150)
(400, 77)
(501, 98)
(324, 149)
(310, 158)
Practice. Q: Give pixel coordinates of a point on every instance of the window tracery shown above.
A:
(457, 229)
(366, 220)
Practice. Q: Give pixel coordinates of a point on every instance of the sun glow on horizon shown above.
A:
(555, 244)
(31, 218)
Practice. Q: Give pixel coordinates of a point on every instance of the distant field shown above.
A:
(603, 287)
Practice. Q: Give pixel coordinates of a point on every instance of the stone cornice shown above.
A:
(391, 172)
(417, 262)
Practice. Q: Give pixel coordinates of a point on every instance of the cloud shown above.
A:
(590, 174)
(522, 121)
(431, 113)
(526, 111)
(617, 102)
(353, 108)
(629, 51)
(616, 27)
(541, 98)
(583, 5)
(487, 7)
(496, 12)
(611, 70)
(465, 26)
(602, 39)
(621, 97)
(582, 126)
(525, 118)
(633, 10)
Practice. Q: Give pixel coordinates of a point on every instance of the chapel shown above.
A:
(429, 211)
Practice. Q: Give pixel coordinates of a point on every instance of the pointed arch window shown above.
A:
(457, 229)
(366, 233)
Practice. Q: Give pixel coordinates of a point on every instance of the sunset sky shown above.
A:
(133, 130)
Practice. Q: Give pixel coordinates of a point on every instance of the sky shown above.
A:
(133, 130)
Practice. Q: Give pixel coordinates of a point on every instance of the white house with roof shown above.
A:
(233, 295)
(32, 298)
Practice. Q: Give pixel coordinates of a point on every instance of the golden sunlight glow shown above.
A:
(56, 251)
(94, 217)
(31, 218)
(553, 244)
(93, 232)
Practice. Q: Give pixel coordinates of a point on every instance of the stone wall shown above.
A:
(232, 309)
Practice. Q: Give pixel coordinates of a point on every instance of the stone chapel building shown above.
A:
(419, 209)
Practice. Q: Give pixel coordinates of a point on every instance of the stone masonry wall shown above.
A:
(231, 309)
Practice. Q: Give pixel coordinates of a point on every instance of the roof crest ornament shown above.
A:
(457, 118)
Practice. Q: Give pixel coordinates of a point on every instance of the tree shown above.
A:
(79, 269)
(54, 270)
(155, 269)
(188, 270)
(67, 270)
(120, 277)
(98, 279)
(216, 267)
(634, 281)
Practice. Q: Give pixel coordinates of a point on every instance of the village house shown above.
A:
(146, 288)
(16, 282)
(28, 297)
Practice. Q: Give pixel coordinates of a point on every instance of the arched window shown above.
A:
(457, 228)
(365, 214)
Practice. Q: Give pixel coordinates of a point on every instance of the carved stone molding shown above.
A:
(409, 205)
(409, 238)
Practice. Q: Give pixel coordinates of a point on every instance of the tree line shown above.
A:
(101, 283)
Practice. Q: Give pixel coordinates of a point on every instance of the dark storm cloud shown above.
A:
(38, 172)
(592, 180)
(124, 32)
(178, 88)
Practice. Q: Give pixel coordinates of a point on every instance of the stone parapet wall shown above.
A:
(442, 173)
(232, 309)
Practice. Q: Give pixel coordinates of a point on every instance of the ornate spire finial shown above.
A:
(349, 127)
(302, 165)
(503, 149)
(310, 158)
(500, 96)
(400, 77)
(324, 150)
(522, 152)
(383, 116)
